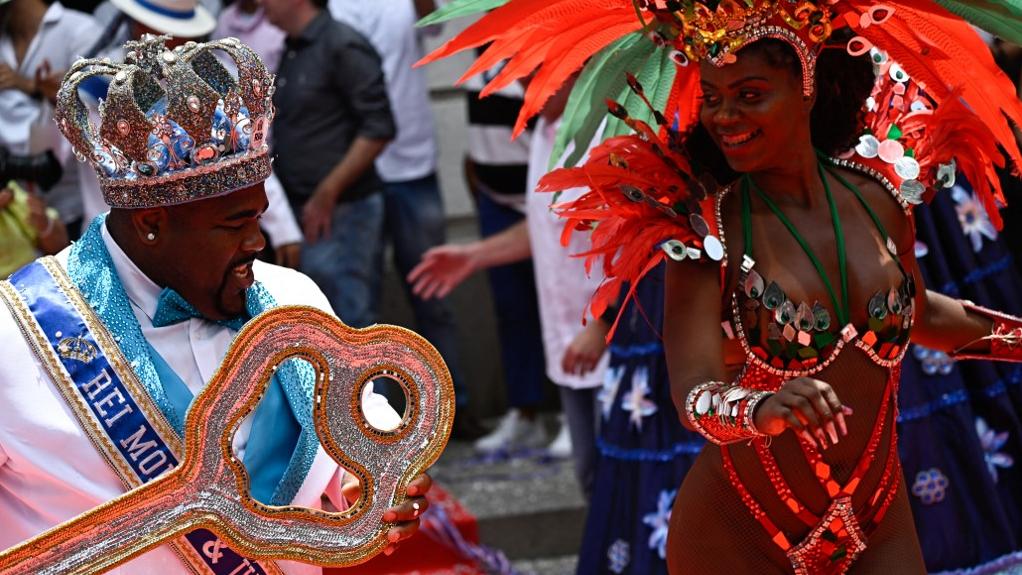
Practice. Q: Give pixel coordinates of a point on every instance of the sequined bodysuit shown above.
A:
(819, 509)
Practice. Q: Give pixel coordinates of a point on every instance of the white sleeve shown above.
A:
(279, 221)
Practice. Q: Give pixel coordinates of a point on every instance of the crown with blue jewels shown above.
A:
(176, 125)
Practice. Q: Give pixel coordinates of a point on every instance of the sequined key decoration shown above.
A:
(209, 489)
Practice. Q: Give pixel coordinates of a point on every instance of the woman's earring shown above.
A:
(151, 236)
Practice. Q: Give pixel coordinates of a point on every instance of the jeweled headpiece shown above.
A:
(701, 31)
(176, 126)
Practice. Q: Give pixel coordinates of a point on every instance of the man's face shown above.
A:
(208, 248)
(275, 10)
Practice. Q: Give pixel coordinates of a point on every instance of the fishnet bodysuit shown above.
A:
(714, 531)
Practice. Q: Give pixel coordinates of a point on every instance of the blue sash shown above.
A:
(113, 408)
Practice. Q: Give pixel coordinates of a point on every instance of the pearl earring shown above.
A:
(150, 236)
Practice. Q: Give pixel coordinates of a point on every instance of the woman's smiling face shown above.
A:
(754, 110)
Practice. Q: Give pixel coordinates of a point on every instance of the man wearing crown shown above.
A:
(154, 293)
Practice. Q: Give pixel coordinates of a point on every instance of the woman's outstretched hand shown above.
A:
(809, 407)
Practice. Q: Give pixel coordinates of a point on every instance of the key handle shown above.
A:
(210, 488)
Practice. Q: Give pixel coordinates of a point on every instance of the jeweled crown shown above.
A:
(175, 126)
(715, 31)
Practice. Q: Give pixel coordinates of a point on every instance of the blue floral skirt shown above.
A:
(644, 452)
(960, 423)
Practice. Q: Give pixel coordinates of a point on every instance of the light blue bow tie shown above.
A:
(171, 309)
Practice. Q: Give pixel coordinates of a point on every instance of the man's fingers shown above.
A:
(568, 361)
(402, 531)
(420, 485)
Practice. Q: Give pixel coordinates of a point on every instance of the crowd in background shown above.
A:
(355, 169)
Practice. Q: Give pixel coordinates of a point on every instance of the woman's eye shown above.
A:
(749, 95)
(710, 100)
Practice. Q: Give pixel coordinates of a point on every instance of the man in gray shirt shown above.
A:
(333, 120)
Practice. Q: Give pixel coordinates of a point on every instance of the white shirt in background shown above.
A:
(26, 124)
(389, 25)
(563, 288)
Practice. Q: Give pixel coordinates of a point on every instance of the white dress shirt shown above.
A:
(49, 469)
(26, 124)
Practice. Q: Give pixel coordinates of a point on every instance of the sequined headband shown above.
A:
(698, 31)
(176, 126)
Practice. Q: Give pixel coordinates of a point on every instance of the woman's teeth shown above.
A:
(733, 140)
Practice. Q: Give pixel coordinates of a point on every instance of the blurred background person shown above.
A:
(413, 216)
(333, 120)
(28, 229)
(38, 43)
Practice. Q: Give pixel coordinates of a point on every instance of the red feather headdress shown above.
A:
(944, 106)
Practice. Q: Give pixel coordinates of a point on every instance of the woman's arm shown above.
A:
(959, 327)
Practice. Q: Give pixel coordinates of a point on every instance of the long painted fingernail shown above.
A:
(388, 551)
(413, 490)
(389, 516)
(808, 438)
(415, 509)
(393, 536)
(841, 424)
(847, 410)
(821, 437)
(832, 432)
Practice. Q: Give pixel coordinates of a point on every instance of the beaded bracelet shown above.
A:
(722, 412)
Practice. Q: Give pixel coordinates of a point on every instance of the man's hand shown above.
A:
(47, 82)
(808, 406)
(317, 215)
(6, 197)
(585, 350)
(289, 255)
(10, 79)
(405, 516)
(442, 269)
(408, 513)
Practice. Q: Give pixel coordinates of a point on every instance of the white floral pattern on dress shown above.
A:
(992, 441)
(619, 555)
(635, 401)
(930, 486)
(611, 383)
(973, 217)
(660, 521)
(933, 361)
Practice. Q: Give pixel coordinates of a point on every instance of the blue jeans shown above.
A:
(345, 264)
(414, 222)
(517, 306)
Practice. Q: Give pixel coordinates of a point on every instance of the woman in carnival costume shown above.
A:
(794, 286)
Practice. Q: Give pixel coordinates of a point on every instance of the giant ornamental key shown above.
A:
(210, 488)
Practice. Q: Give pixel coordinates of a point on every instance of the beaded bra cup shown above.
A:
(796, 339)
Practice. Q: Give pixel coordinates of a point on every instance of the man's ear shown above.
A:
(149, 223)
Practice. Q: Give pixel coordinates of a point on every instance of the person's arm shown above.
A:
(700, 385)
(280, 224)
(358, 77)
(586, 348)
(444, 267)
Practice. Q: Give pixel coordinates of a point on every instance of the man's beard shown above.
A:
(222, 297)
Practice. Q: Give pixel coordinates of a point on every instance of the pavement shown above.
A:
(527, 504)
